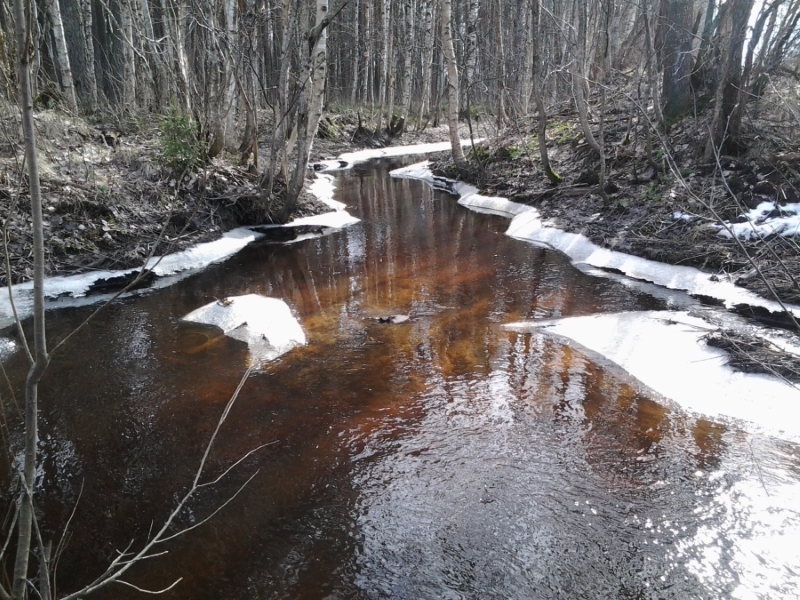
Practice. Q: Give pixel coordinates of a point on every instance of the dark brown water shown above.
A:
(439, 458)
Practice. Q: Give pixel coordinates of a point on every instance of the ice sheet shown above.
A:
(527, 225)
(266, 325)
(663, 350)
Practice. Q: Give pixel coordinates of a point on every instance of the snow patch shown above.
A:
(764, 220)
(527, 225)
(663, 350)
(265, 324)
(7, 348)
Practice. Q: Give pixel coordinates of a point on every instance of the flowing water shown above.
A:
(443, 457)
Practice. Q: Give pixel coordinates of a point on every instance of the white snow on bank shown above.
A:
(763, 221)
(527, 225)
(663, 351)
(202, 255)
(266, 325)
(193, 259)
(349, 159)
(77, 286)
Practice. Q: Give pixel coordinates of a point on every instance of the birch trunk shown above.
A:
(409, 61)
(527, 66)
(452, 84)
(229, 90)
(129, 64)
(356, 56)
(471, 58)
(579, 79)
(161, 82)
(62, 56)
(289, 17)
(384, 59)
(309, 109)
(501, 64)
(88, 38)
(319, 64)
(535, 44)
(390, 70)
(427, 59)
(174, 27)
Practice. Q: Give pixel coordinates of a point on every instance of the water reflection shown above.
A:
(439, 458)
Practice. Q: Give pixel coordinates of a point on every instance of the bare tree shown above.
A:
(452, 84)
(677, 57)
(62, 57)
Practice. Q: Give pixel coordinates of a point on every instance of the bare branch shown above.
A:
(154, 592)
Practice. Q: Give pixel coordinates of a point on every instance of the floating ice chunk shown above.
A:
(265, 324)
(663, 350)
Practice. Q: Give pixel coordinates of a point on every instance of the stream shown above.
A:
(441, 457)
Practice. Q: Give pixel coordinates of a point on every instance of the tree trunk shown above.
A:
(677, 58)
(724, 128)
(356, 55)
(41, 359)
(537, 92)
(408, 64)
(427, 59)
(228, 112)
(277, 153)
(452, 84)
(177, 37)
(62, 57)
(319, 64)
(579, 79)
(384, 60)
(128, 59)
(88, 38)
(700, 69)
(501, 65)
(365, 79)
(471, 51)
(530, 41)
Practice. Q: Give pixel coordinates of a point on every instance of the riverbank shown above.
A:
(733, 217)
(112, 199)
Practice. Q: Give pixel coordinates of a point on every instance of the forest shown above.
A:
(665, 129)
(617, 91)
